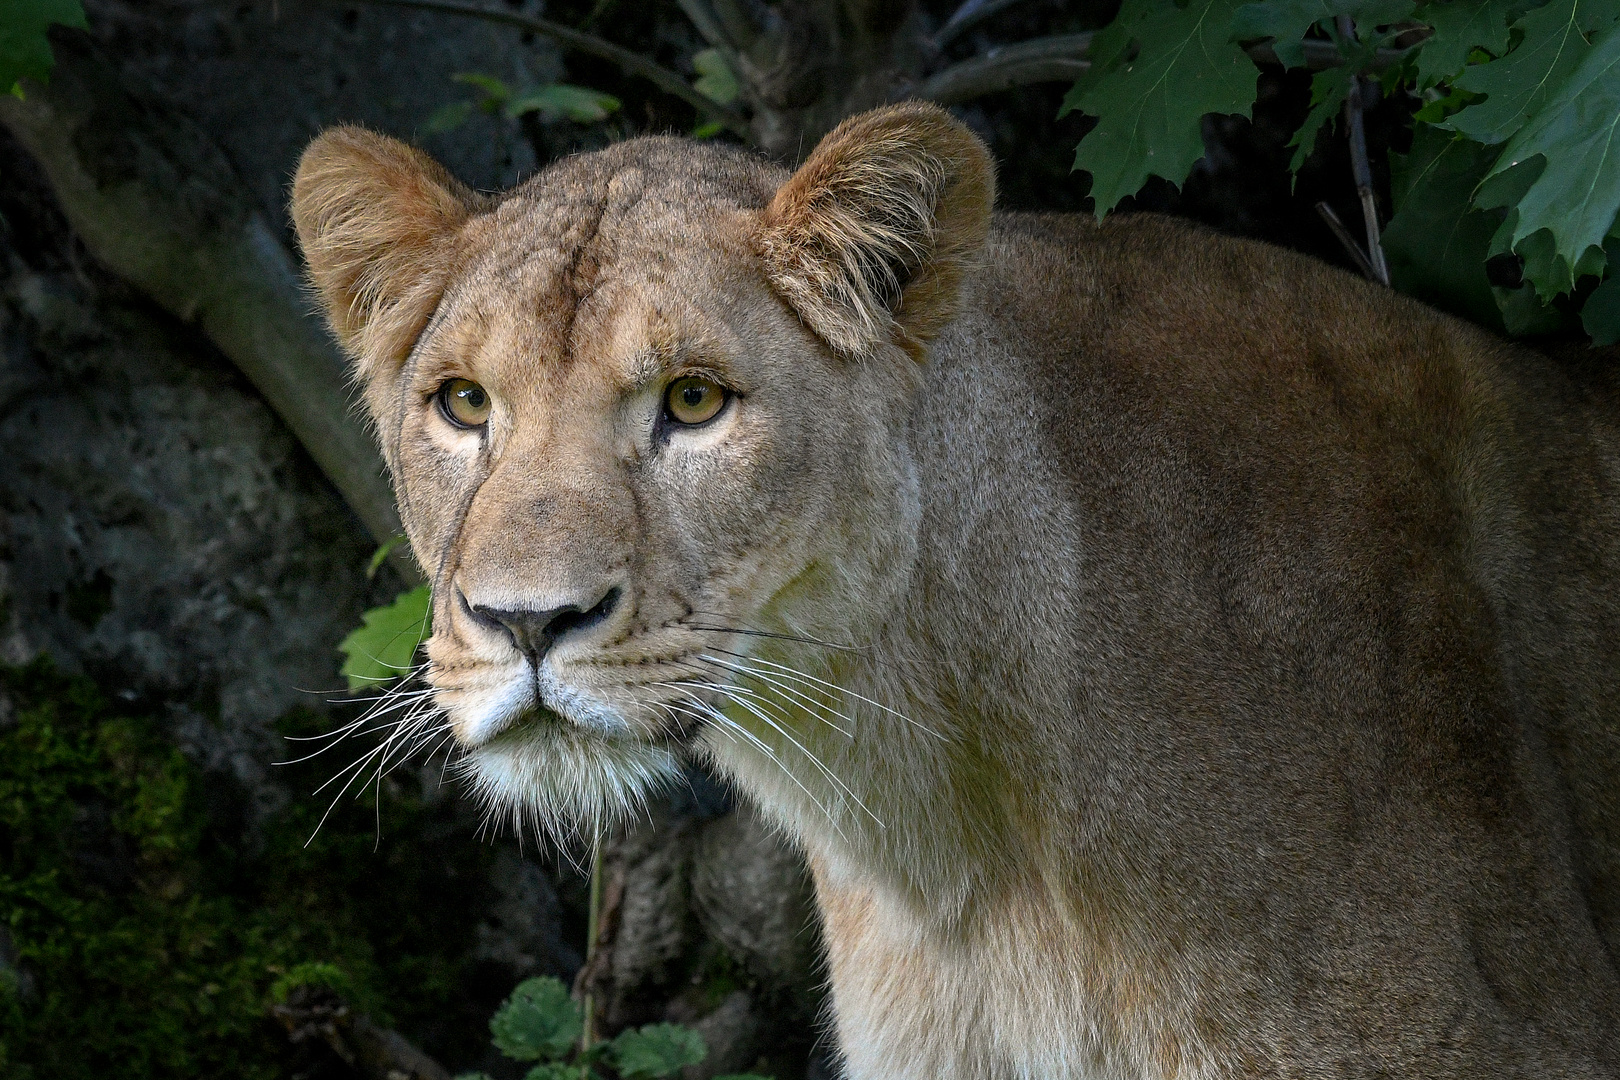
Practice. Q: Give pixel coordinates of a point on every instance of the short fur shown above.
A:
(1174, 656)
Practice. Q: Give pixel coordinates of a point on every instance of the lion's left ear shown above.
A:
(870, 239)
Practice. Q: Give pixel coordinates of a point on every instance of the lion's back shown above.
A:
(1357, 488)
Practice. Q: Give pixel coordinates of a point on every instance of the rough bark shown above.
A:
(158, 205)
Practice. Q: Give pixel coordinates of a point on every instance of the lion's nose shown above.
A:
(534, 632)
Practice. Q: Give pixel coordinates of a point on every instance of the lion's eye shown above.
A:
(694, 400)
(464, 403)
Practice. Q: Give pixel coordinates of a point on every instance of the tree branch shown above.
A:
(1321, 55)
(710, 24)
(970, 13)
(1356, 130)
(628, 60)
(1059, 58)
(157, 204)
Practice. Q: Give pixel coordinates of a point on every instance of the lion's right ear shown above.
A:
(374, 218)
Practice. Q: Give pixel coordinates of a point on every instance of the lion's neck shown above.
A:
(933, 771)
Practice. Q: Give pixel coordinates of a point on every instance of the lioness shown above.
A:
(1174, 656)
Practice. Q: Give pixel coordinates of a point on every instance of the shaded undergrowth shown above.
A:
(147, 919)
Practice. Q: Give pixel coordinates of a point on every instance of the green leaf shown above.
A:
(1436, 244)
(539, 1020)
(1286, 22)
(559, 100)
(1328, 91)
(385, 549)
(557, 1070)
(496, 92)
(715, 80)
(1544, 267)
(1600, 317)
(1577, 131)
(24, 51)
(656, 1050)
(383, 647)
(1438, 106)
(1460, 26)
(1520, 83)
(1525, 316)
(473, 1076)
(447, 117)
(313, 973)
(1149, 109)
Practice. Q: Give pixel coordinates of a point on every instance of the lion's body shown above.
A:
(1175, 657)
(1310, 598)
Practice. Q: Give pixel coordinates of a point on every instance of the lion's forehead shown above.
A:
(553, 282)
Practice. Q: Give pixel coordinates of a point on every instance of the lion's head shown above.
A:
(645, 413)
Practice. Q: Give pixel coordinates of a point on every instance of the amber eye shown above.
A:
(464, 403)
(694, 400)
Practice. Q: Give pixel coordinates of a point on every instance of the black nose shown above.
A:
(535, 632)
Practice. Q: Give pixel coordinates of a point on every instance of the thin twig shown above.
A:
(628, 60)
(734, 18)
(593, 929)
(1321, 55)
(970, 13)
(713, 28)
(1357, 130)
(1058, 58)
(1357, 256)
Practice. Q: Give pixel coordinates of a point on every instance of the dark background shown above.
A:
(175, 574)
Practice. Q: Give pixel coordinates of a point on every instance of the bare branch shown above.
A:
(707, 22)
(1354, 103)
(714, 30)
(628, 60)
(1059, 58)
(1351, 248)
(969, 14)
(174, 220)
(734, 17)
(1321, 55)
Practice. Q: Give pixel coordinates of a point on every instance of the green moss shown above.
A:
(151, 928)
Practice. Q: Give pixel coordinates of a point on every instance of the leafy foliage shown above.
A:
(1515, 158)
(553, 101)
(715, 79)
(1149, 106)
(383, 648)
(656, 1050)
(540, 1022)
(24, 51)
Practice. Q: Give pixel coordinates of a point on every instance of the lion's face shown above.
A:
(625, 451)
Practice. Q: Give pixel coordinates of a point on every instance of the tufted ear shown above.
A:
(375, 218)
(870, 239)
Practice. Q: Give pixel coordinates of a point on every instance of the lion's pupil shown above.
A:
(473, 396)
(693, 396)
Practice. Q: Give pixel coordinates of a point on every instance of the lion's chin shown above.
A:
(566, 784)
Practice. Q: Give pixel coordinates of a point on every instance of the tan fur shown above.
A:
(1174, 656)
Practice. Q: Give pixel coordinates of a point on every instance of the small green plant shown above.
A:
(716, 82)
(24, 50)
(553, 101)
(541, 1023)
(383, 647)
